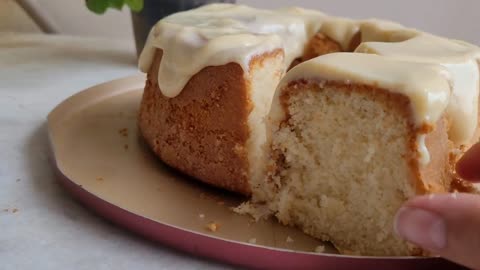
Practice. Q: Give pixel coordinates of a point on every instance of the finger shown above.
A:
(468, 167)
(447, 225)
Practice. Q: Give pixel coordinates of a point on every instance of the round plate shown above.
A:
(102, 162)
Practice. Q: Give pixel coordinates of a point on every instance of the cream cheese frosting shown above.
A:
(426, 85)
(218, 34)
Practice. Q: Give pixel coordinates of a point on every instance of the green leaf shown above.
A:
(100, 6)
(135, 5)
(97, 6)
(116, 4)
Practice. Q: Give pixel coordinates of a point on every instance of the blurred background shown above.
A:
(454, 19)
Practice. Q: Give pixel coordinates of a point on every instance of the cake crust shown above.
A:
(201, 132)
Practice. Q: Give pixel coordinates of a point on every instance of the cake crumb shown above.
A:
(99, 179)
(123, 132)
(256, 211)
(125, 146)
(14, 210)
(212, 226)
(430, 196)
(320, 249)
(252, 240)
(454, 194)
(202, 216)
(289, 239)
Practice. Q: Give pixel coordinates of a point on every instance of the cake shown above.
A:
(350, 143)
(327, 123)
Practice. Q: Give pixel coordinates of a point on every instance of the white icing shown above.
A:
(341, 30)
(218, 34)
(385, 31)
(423, 154)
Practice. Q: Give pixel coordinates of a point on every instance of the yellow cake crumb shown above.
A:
(252, 240)
(123, 132)
(213, 227)
(289, 239)
(320, 249)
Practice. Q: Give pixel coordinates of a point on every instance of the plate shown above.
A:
(102, 161)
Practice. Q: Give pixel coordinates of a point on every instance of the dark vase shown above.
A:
(154, 10)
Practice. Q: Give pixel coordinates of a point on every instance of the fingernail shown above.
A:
(421, 227)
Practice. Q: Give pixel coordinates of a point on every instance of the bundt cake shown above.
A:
(330, 124)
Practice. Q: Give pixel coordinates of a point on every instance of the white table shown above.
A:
(41, 226)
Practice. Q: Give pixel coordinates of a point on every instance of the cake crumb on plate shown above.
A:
(320, 249)
(123, 132)
(212, 226)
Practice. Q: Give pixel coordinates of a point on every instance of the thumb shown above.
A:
(468, 166)
(447, 225)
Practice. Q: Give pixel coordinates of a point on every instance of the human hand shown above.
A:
(449, 224)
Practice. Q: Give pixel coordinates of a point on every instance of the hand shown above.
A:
(449, 224)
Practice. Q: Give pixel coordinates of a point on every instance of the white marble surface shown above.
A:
(48, 229)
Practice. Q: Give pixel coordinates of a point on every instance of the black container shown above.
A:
(154, 10)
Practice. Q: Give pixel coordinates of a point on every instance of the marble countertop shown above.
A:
(42, 227)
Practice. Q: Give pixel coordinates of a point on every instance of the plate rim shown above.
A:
(89, 198)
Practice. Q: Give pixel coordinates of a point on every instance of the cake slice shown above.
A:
(461, 60)
(351, 138)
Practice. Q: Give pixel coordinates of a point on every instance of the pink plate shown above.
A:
(102, 162)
